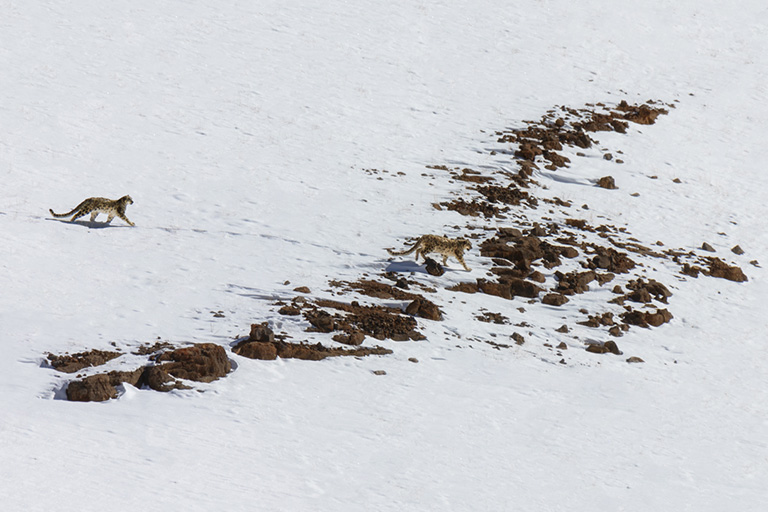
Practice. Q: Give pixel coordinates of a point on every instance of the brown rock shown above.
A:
(497, 289)
(661, 316)
(597, 348)
(158, 379)
(354, 338)
(645, 319)
(261, 332)
(706, 247)
(522, 288)
(434, 268)
(554, 299)
(718, 268)
(256, 350)
(96, 388)
(203, 362)
(465, 287)
(635, 359)
(424, 309)
(321, 321)
(604, 348)
(574, 282)
(737, 250)
(301, 289)
(607, 182)
(289, 310)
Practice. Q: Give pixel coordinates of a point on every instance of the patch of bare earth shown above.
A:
(71, 363)
(262, 344)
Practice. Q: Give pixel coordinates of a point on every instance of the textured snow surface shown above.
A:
(242, 131)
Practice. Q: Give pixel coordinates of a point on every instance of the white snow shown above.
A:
(243, 130)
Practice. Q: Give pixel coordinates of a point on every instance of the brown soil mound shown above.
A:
(379, 322)
(71, 363)
(475, 208)
(204, 362)
(507, 195)
(376, 289)
(262, 345)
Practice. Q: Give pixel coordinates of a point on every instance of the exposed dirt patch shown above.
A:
(71, 363)
(496, 318)
(147, 349)
(261, 344)
(380, 322)
(475, 208)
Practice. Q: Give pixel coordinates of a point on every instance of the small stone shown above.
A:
(635, 359)
(563, 328)
(676, 180)
(519, 340)
(379, 372)
(562, 346)
(706, 247)
(608, 156)
(413, 360)
(737, 250)
(607, 182)
(301, 289)
(434, 268)
(613, 348)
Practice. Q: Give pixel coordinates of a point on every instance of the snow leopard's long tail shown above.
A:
(406, 252)
(60, 215)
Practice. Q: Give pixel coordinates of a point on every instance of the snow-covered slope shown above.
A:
(243, 132)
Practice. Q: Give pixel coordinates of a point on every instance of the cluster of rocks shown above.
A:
(262, 343)
(204, 362)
